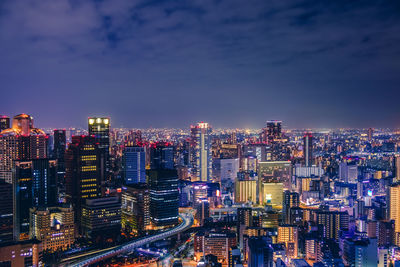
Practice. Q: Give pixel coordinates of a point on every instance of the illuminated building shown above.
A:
(6, 212)
(23, 142)
(370, 134)
(397, 167)
(227, 168)
(313, 250)
(394, 210)
(202, 211)
(54, 226)
(82, 171)
(385, 233)
(333, 222)
(134, 165)
(308, 149)
(290, 200)
(288, 234)
(272, 131)
(4, 122)
(135, 209)
(99, 127)
(271, 194)
(348, 173)
(164, 197)
(35, 184)
(215, 243)
(200, 156)
(270, 219)
(245, 190)
(101, 217)
(200, 191)
(276, 172)
(161, 155)
(60, 141)
(22, 253)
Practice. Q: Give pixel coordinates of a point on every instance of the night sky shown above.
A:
(233, 63)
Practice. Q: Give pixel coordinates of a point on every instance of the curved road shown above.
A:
(187, 219)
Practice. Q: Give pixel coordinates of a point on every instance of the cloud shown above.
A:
(234, 50)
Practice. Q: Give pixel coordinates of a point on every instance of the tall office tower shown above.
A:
(54, 226)
(35, 185)
(290, 200)
(6, 212)
(246, 190)
(4, 122)
(82, 171)
(333, 222)
(260, 252)
(308, 149)
(272, 131)
(202, 211)
(394, 210)
(288, 234)
(60, 141)
(161, 155)
(101, 218)
(370, 134)
(201, 155)
(275, 172)
(100, 129)
(134, 165)
(397, 167)
(135, 209)
(164, 197)
(348, 173)
(21, 141)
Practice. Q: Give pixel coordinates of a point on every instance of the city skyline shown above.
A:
(168, 63)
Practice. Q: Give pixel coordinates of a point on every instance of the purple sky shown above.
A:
(232, 63)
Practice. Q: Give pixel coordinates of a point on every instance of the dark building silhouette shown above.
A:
(308, 149)
(4, 122)
(161, 155)
(164, 197)
(6, 212)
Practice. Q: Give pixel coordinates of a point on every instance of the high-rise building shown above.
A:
(290, 200)
(260, 252)
(134, 165)
(394, 210)
(4, 122)
(22, 253)
(99, 127)
(201, 155)
(60, 141)
(101, 217)
(272, 131)
(271, 194)
(215, 243)
(82, 171)
(370, 134)
(161, 155)
(245, 190)
(308, 149)
(164, 197)
(276, 172)
(202, 211)
(35, 185)
(333, 222)
(22, 141)
(288, 234)
(135, 209)
(348, 173)
(6, 212)
(54, 226)
(397, 167)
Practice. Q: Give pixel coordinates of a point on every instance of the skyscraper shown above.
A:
(272, 131)
(308, 149)
(134, 165)
(161, 155)
(60, 141)
(100, 129)
(370, 134)
(35, 185)
(201, 156)
(394, 210)
(23, 142)
(4, 122)
(164, 197)
(82, 171)
(6, 212)
(290, 200)
(397, 167)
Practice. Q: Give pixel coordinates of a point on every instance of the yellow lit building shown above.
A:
(271, 194)
(53, 226)
(245, 190)
(395, 210)
(288, 235)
